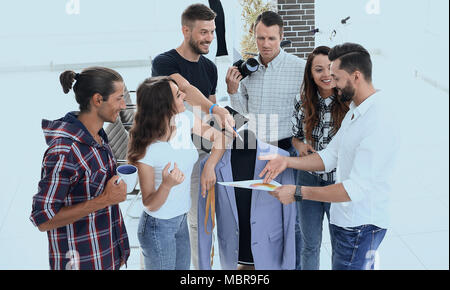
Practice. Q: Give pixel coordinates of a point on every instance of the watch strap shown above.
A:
(298, 193)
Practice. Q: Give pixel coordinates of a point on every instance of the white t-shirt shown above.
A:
(181, 150)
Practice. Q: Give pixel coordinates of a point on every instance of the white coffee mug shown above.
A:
(128, 173)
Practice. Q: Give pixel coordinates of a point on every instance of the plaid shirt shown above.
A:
(321, 134)
(76, 169)
(267, 96)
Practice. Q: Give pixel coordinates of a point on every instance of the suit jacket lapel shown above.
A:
(262, 149)
(259, 166)
(227, 176)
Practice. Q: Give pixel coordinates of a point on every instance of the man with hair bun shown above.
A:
(77, 202)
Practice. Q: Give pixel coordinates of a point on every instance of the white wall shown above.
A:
(37, 34)
(409, 43)
(40, 32)
(408, 35)
(408, 40)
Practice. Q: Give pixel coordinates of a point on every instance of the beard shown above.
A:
(195, 47)
(346, 94)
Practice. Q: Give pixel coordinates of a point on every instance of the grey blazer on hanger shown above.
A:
(272, 223)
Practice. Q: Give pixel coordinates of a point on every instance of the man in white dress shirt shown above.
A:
(363, 152)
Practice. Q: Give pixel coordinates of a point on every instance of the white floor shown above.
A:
(419, 247)
(418, 238)
(422, 247)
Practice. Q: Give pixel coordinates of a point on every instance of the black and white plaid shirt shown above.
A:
(321, 134)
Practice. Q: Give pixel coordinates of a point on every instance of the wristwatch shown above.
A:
(298, 193)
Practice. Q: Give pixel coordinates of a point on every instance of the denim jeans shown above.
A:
(311, 214)
(165, 243)
(356, 248)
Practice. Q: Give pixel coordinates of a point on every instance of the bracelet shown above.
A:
(211, 108)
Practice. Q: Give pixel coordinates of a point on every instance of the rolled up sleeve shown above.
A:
(329, 155)
(56, 176)
(354, 190)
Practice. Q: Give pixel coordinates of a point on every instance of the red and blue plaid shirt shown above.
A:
(76, 169)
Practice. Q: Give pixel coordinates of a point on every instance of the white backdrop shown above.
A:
(408, 41)
(40, 32)
(410, 47)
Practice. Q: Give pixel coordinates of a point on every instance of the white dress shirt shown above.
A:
(267, 96)
(363, 152)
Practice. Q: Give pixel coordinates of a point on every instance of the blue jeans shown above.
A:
(356, 248)
(165, 243)
(311, 214)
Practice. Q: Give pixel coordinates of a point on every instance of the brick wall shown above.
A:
(298, 17)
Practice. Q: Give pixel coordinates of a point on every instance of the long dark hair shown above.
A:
(310, 99)
(90, 81)
(155, 108)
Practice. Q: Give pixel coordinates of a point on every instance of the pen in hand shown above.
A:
(240, 138)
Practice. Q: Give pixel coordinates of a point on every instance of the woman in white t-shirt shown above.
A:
(162, 149)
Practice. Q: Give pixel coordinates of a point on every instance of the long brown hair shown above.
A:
(155, 108)
(310, 99)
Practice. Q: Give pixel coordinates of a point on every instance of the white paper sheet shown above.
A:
(253, 184)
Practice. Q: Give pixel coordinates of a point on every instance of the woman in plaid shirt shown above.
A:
(316, 119)
(77, 199)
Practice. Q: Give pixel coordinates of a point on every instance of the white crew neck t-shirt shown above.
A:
(181, 150)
